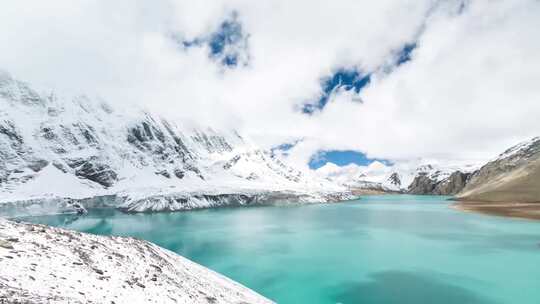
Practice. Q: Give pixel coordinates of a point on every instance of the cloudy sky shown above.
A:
(394, 79)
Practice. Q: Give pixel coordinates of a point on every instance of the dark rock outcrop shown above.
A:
(97, 172)
(453, 184)
(395, 180)
(423, 183)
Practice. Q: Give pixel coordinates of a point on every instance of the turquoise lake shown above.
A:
(380, 249)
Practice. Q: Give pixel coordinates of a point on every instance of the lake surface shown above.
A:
(380, 249)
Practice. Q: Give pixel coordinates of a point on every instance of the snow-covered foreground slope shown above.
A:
(76, 147)
(41, 264)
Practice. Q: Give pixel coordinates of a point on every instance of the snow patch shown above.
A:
(41, 264)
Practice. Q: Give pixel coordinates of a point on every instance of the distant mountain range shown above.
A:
(514, 176)
(411, 177)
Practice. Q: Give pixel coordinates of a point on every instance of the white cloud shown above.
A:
(470, 90)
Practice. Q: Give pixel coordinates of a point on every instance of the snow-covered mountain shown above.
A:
(77, 147)
(376, 177)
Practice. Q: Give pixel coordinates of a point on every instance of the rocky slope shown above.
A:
(77, 147)
(40, 264)
(434, 184)
(512, 177)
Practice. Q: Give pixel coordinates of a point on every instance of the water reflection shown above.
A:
(405, 288)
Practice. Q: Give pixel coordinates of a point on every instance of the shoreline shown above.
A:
(529, 211)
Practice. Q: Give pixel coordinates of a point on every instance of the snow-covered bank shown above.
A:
(164, 201)
(40, 264)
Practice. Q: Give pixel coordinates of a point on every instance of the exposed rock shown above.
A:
(424, 183)
(164, 173)
(453, 184)
(79, 208)
(37, 164)
(231, 162)
(179, 173)
(97, 172)
(98, 271)
(394, 180)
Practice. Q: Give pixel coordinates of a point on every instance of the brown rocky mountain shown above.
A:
(513, 177)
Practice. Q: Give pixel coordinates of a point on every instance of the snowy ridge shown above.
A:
(439, 172)
(40, 264)
(396, 177)
(375, 176)
(519, 149)
(77, 147)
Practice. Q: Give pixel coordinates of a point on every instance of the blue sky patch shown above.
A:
(404, 55)
(345, 79)
(284, 148)
(229, 32)
(341, 158)
(191, 43)
(228, 44)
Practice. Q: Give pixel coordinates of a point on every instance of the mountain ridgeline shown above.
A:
(514, 176)
(78, 148)
(77, 152)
